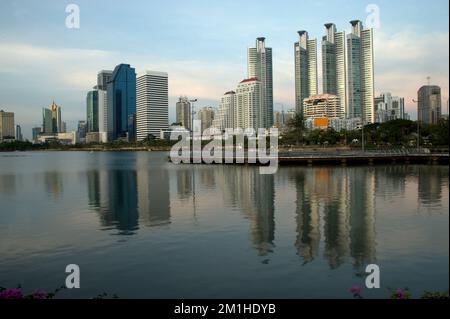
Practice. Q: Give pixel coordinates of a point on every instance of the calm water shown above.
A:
(139, 226)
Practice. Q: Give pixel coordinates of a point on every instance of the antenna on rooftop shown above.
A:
(428, 80)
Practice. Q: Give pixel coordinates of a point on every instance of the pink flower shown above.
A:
(11, 293)
(39, 294)
(399, 294)
(356, 290)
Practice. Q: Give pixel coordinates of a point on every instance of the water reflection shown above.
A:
(334, 208)
(254, 195)
(430, 184)
(8, 184)
(341, 203)
(53, 183)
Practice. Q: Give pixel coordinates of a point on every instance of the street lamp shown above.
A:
(418, 122)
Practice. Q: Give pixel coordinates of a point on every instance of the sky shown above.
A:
(202, 45)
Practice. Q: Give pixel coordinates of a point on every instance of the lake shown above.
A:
(141, 227)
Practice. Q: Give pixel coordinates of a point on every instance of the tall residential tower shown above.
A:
(360, 73)
(334, 65)
(305, 51)
(260, 67)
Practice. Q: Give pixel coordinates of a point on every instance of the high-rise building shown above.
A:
(152, 104)
(35, 131)
(388, 108)
(334, 65)
(122, 103)
(360, 73)
(19, 136)
(7, 128)
(322, 106)
(103, 78)
(224, 117)
(429, 104)
(51, 119)
(306, 82)
(183, 110)
(81, 130)
(63, 127)
(92, 111)
(248, 104)
(206, 117)
(259, 66)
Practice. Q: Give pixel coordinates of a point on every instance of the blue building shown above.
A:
(122, 103)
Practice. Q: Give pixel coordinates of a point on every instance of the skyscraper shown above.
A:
(103, 77)
(206, 117)
(429, 104)
(183, 112)
(388, 108)
(122, 103)
(92, 111)
(248, 104)
(152, 104)
(334, 65)
(51, 119)
(7, 128)
(305, 51)
(259, 66)
(19, 136)
(360, 73)
(81, 129)
(35, 131)
(224, 117)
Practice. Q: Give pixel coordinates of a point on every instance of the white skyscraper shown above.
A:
(306, 82)
(260, 67)
(102, 116)
(360, 73)
(152, 104)
(224, 117)
(248, 104)
(334, 65)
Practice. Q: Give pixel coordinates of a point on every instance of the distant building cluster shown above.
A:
(125, 106)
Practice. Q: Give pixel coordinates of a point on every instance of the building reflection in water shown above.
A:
(8, 184)
(153, 197)
(430, 180)
(125, 197)
(254, 194)
(344, 198)
(53, 183)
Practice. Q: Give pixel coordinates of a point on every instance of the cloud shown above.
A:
(404, 60)
(32, 76)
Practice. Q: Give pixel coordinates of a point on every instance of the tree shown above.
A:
(295, 130)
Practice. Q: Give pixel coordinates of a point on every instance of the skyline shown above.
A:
(52, 62)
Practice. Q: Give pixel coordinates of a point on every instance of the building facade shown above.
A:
(19, 135)
(92, 111)
(248, 104)
(206, 117)
(322, 106)
(152, 104)
(51, 119)
(360, 73)
(224, 117)
(7, 128)
(334, 65)
(429, 104)
(183, 112)
(306, 82)
(259, 66)
(388, 108)
(122, 103)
